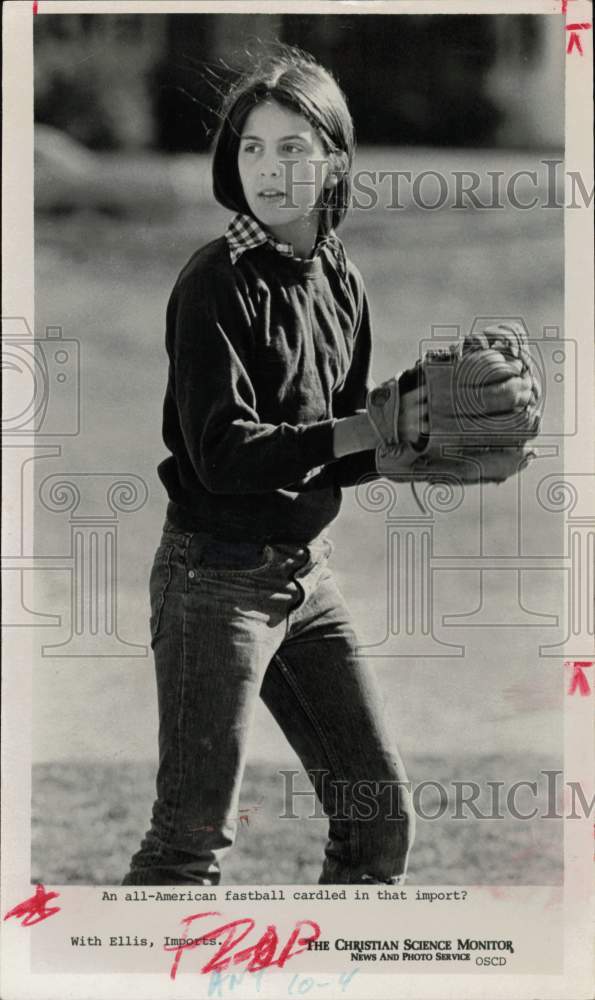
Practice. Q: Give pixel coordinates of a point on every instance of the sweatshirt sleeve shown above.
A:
(351, 398)
(209, 342)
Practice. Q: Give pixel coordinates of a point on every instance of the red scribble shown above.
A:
(575, 39)
(528, 699)
(243, 817)
(34, 909)
(35, 7)
(565, 5)
(579, 679)
(527, 852)
(258, 956)
(499, 893)
(244, 812)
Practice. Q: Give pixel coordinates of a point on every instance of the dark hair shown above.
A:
(295, 80)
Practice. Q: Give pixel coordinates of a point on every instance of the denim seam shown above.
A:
(214, 572)
(179, 719)
(354, 844)
(180, 734)
(162, 595)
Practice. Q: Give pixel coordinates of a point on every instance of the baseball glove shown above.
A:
(483, 406)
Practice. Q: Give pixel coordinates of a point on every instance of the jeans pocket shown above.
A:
(219, 558)
(158, 583)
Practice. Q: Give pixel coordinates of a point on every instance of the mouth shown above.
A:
(271, 194)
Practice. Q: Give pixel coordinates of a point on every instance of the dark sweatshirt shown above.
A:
(264, 354)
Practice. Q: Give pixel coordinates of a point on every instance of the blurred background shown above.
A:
(151, 81)
(125, 110)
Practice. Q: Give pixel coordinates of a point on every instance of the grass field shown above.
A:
(99, 812)
(494, 713)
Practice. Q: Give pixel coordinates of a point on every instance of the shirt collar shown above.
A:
(245, 233)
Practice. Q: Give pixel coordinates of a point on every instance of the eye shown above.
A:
(292, 147)
(250, 147)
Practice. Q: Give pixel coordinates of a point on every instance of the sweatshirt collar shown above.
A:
(245, 233)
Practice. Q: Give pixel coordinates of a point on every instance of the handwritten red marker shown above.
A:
(257, 957)
(34, 909)
(35, 7)
(579, 680)
(243, 818)
(575, 39)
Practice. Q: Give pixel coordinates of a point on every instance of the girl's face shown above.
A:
(283, 167)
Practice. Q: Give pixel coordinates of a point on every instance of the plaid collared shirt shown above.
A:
(245, 233)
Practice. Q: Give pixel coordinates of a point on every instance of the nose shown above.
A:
(269, 167)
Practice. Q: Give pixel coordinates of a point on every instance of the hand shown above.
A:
(496, 383)
(413, 421)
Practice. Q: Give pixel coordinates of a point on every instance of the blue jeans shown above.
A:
(230, 621)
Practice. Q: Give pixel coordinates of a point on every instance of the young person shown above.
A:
(268, 337)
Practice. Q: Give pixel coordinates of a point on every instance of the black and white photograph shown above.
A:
(297, 539)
